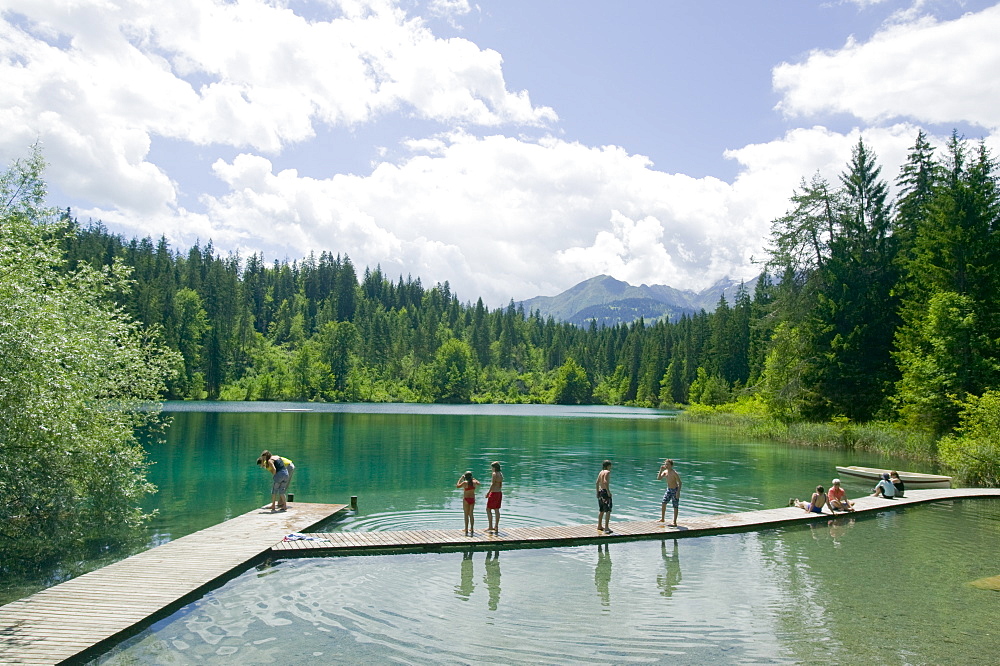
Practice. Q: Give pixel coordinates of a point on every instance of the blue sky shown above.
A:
(511, 147)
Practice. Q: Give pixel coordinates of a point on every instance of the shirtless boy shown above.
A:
(673, 494)
(604, 498)
(493, 498)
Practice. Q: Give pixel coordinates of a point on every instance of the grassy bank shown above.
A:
(876, 436)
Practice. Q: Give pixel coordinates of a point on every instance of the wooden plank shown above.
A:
(63, 621)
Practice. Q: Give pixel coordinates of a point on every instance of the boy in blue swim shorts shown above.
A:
(673, 494)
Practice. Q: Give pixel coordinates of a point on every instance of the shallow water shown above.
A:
(875, 590)
(886, 589)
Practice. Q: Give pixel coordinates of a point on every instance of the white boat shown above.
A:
(914, 480)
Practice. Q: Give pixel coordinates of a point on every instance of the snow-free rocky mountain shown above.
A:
(607, 301)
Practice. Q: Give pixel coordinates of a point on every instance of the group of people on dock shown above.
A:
(889, 487)
(468, 483)
(494, 498)
(282, 469)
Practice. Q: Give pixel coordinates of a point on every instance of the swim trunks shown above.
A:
(671, 496)
(493, 500)
(470, 500)
(810, 507)
(603, 501)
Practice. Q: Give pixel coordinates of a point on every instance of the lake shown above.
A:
(891, 588)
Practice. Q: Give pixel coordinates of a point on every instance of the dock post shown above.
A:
(354, 502)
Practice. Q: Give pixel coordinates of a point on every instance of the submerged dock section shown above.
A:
(97, 608)
(690, 526)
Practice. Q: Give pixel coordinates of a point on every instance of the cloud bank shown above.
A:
(494, 200)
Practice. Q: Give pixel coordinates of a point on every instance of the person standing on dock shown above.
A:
(279, 484)
(604, 498)
(468, 485)
(264, 459)
(673, 494)
(494, 498)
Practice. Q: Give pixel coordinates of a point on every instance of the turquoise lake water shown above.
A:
(891, 588)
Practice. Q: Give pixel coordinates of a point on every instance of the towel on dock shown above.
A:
(298, 536)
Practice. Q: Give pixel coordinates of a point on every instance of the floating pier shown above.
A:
(690, 526)
(89, 614)
(85, 616)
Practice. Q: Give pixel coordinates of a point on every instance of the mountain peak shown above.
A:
(607, 301)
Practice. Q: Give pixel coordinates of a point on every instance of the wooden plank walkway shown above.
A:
(101, 607)
(421, 540)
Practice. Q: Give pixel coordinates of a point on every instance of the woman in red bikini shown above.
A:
(469, 485)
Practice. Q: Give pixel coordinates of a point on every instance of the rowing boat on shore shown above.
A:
(911, 479)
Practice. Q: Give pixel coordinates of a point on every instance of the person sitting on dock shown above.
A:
(604, 498)
(815, 504)
(494, 498)
(469, 485)
(897, 483)
(838, 498)
(673, 494)
(885, 488)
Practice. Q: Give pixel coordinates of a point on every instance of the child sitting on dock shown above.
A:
(815, 504)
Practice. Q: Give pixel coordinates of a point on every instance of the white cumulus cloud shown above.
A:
(96, 80)
(923, 69)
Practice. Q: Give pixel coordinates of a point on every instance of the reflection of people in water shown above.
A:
(602, 574)
(466, 585)
(838, 528)
(492, 578)
(671, 577)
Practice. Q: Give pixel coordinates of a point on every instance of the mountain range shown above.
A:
(607, 301)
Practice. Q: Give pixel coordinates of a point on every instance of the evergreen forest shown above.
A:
(872, 307)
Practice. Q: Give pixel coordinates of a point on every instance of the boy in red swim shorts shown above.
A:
(494, 498)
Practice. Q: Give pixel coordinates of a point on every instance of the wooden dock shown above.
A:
(88, 614)
(423, 540)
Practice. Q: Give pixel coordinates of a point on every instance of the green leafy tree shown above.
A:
(76, 380)
(975, 451)
(837, 257)
(572, 386)
(453, 373)
(192, 323)
(708, 389)
(949, 340)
